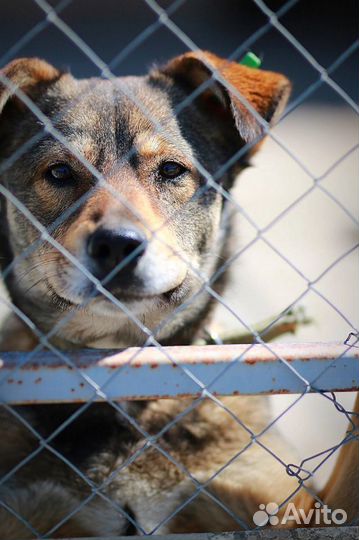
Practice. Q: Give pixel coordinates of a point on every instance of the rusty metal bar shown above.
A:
(226, 369)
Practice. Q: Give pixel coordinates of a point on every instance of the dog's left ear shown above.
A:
(27, 74)
(265, 92)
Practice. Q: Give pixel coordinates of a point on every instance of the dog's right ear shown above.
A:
(27, 74)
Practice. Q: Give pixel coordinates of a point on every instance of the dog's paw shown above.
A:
(16, 336)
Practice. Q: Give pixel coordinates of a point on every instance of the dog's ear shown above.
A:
(27, 74)
(237, 87)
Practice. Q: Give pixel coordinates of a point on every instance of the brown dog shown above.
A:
(123, 182)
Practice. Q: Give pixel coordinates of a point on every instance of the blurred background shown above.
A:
(325, 28)
(314, 142)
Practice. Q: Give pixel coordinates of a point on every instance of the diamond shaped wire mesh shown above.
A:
(154, 444)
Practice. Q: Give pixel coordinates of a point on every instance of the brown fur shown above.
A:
(186, 236)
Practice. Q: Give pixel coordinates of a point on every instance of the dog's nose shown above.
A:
(108, 248)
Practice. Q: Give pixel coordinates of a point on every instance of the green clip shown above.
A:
(251, 60)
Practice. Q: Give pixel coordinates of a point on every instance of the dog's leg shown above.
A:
(341, 491)
(15, 335)
(342, 488)
(46, 505)
(43, 505)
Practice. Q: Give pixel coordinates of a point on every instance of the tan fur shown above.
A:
(15, 335)
(25, 75)
(148, 144)
(342, 491)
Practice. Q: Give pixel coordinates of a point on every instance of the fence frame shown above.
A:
(223, 369)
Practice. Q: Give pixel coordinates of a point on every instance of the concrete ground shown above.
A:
(313, 234)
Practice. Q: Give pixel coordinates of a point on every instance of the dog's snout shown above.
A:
(108, 248)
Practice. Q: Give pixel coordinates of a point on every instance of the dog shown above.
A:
(130, 177)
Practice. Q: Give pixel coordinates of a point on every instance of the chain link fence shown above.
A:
(89, 377)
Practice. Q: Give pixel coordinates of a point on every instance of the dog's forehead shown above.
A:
(124, 110)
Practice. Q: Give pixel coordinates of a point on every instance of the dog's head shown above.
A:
(124, 175)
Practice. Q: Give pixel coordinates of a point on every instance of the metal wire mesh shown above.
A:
(149, 442)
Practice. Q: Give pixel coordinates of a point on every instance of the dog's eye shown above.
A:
(60, 173)
(170, 170)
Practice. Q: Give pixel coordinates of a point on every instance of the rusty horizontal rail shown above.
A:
(153, 373)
